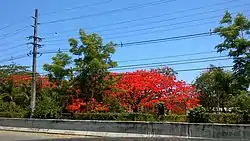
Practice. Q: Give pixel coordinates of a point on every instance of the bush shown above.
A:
(47, 105)
(228, 118)
(198, 115)
(14, 114)
(175, 118)
(114, 116)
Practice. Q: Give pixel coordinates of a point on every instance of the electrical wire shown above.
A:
(8, 43)
(131, 35)
(157, 63)
(159, 40)
(162, 31)
(195, 69)
(15, 23)
(167, 39)
(111, 11)
(13, 47)
(149, 17)
(43, 74)
(173, 64)
(143, 59)
(15, 32)
(161, 26)
(164, 20)
(77, 7)
(163, 57)
(13, 58)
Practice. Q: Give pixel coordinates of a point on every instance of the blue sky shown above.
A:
(176, 23)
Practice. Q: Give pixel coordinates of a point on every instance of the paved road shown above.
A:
(21, 136)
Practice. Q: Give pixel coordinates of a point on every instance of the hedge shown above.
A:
(13, 115)
(227, 118)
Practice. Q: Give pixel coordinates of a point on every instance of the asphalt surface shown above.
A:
(22, 136)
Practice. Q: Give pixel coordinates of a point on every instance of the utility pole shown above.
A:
(34, 55)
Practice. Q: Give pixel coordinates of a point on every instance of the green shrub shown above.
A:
(94, 116)
(198, 115)
(175, 118)
(228, 118)
(14, 114)
(47, 105)
(114, 116)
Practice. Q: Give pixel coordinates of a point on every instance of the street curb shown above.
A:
(92, 133)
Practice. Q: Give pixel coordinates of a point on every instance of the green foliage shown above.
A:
(57, 70)
(242, 106)
(216, 88)
(92, 64)
(14, 114)
(197, 115)
(125, 117)
(114, 105)
(175, 118)
(235, 33)
(47, 105)
(13, 98)
(227, 118)
(115, 116)
(7, 70)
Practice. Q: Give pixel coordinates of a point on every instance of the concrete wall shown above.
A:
(155, 128)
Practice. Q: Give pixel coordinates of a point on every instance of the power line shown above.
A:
(77, 7)
(149, 17)
(155, 31)
(111, 11)
(173, 64)
(15, 32)
(159, 40)
(167, 25)
(164, 20)
(168, 39)
(8, 43)
(157, 63)
(189, 36)
(143, 59)
(171, 56)
(195, 69)
(13, 47)
(14, 23)
(13, 58)
(43, 74)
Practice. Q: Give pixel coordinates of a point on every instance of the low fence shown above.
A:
(226, 131)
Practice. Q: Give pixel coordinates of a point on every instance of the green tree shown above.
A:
(235, 32)
(91, 65)
(13, 97)
(242, 106)
(57, 70)
(216, 88)
(60, 76)
(48, 105)
(7, 70)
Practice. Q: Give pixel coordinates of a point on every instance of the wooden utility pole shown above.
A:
(34, 55)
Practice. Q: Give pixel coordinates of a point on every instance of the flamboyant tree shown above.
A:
(146, 88)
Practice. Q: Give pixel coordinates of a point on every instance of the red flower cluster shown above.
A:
(25, 79)
(146, 88)
(79, 105)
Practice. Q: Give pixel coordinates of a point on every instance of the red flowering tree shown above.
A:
(146, 88)
(80, 106)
